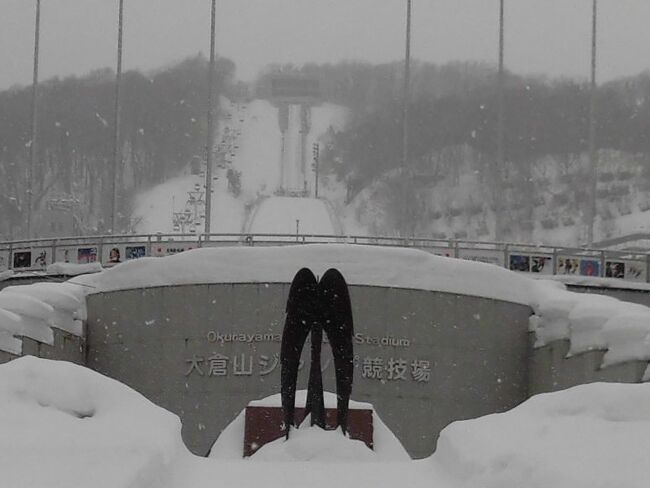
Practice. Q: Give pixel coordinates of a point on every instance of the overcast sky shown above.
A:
(543, 36)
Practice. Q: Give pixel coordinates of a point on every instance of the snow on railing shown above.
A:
(37, 254)
(33, 310)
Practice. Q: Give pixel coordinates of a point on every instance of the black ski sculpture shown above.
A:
(316, 307)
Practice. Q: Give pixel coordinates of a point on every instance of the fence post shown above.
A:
(10, 264)
(100, 249)
(54, 250)
(506, 263)
(602, 264)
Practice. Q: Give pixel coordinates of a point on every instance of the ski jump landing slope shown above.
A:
(287, 215)
(256, 154)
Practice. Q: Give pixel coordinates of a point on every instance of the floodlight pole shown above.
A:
(500, 159)
(117, 153)
(593, 153)
(405, 114)
(210, 144)
(32, 146)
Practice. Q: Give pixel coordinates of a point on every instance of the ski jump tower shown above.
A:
(294, 94)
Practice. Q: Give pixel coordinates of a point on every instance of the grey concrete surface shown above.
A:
(551, 370)
(5, 357)
(66, 347)
(477, 350)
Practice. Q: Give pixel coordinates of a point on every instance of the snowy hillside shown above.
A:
(249, 172)
(288, 215)
(544, 204)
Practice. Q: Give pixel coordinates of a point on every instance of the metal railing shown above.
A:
(37, 254)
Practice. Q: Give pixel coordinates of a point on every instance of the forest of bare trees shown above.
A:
(163, 127)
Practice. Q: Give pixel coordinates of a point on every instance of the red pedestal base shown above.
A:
(264, 425)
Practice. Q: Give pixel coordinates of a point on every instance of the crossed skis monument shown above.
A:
(313, 307)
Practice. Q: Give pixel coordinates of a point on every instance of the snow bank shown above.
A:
(590, 322)
(32, 310)
(65, 426)
(589, 435)
(361, 265)
(71, 269)
(307, 444)
(315, 444)
(5, 275)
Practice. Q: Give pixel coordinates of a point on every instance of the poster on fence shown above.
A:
(160, 249)
(490, 256)
(531, 263)
(589, 267)
(86, 255)
(112, 254)
(568, 266)
(626, 270)
(42, 257)
(571, 265)
(22, 259)
(66, 254)
(135, 252)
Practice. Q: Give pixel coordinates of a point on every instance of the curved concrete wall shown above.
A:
(551, 370)
(424, 359)
(66, 347)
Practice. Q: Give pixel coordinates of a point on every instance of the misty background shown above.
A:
(549, 37)
(355, 50)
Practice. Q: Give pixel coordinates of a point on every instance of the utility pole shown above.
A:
(316, 154)
(593, 154)
(500, 159)
(405, 116)
(34, 135)
(210, 144)
(117, 153)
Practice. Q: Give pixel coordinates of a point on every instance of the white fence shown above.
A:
(36, 255)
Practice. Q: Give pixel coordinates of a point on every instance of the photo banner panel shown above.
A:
(579, 266)
(489, 256)
(627, 270)
(531, 263)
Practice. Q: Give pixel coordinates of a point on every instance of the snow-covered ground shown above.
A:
(290, 215)
(65, 426)
(251, 144)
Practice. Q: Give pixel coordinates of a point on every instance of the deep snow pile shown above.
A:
(32, 311)
(591, 322)
(593, 435)
(66, 426)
